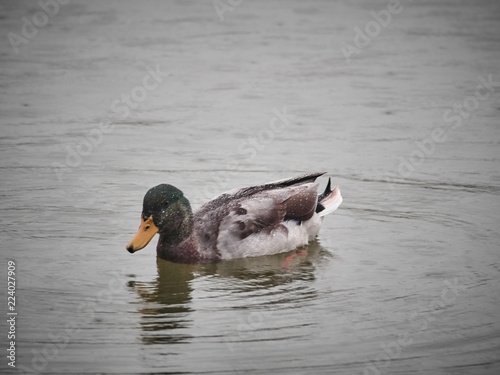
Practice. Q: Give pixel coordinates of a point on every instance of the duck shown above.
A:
(259, 220)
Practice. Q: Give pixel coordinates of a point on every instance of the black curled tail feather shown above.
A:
(322, 196)
(327, 191)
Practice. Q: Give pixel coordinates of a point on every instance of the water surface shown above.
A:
(403, 278)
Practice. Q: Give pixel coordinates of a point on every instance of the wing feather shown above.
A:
(234, 216)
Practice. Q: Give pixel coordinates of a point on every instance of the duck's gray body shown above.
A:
(254, 221)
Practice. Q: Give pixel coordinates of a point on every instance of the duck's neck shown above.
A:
(177, 242)
(185, 251)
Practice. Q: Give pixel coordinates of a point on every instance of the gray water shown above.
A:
(402, 279)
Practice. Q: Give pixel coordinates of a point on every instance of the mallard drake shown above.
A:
(258, 220)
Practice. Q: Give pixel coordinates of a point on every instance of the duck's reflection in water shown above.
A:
(165, 302)
(167, 305)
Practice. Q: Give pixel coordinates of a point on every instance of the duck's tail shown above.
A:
(329, 201)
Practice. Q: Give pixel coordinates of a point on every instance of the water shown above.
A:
(403, 278)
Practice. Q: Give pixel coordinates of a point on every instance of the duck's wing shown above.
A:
(278, 184)
(232, 217)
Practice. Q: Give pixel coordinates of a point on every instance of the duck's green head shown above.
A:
(166, 211)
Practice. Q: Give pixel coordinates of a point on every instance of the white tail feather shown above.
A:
(331, 202)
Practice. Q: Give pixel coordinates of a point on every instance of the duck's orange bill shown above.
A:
(146, 232)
